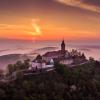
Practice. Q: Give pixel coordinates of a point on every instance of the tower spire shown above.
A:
(63, 46)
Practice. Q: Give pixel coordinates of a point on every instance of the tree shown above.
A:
(83, 56)
(91, 59)
(18, 63)
(39, 57)
(10, 68)
(27, 63)
(1, 74)
(19, 75)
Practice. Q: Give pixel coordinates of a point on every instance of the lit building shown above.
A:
(62, 56)
(38, 64)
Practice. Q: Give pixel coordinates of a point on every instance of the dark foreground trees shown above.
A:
(19, 65)
(80, 83)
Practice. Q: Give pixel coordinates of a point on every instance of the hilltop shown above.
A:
(64, 83)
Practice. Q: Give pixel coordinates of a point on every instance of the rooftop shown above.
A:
(53, 53)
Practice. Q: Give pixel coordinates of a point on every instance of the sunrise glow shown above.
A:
(50, 20)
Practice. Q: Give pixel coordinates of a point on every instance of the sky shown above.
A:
(50, 19)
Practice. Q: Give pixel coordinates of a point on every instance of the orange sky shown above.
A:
(56, 20)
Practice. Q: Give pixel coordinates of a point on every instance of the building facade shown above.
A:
(61, 56)
(38, 64)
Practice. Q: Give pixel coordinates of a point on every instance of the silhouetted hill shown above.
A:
(10, 59)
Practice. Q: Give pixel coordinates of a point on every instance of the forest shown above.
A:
(64, 83)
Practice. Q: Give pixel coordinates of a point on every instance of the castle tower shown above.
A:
(63, 47)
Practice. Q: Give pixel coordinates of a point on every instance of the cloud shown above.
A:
(92, 2)
(32, 28)
(91, 5)
(36, 27)
(11, 27)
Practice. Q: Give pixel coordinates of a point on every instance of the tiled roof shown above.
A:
(53, 53)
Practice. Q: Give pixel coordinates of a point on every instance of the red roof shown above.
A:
(53, 53)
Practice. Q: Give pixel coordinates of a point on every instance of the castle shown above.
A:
(62, 56)
(46, 62)
(48, 59)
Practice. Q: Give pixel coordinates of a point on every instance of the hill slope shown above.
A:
(80, 83)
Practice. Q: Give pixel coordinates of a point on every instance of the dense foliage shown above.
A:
(19, 65)
(64, 83)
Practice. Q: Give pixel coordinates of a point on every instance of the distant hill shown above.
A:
(10, 59)
(44, 50)
(47, 48)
